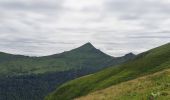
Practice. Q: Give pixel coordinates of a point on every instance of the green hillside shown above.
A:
(86, 56)
(146, 63)
(32, 78)
(150, 87)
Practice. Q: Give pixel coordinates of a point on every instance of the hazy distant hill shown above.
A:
(146, 63)
(31, 78)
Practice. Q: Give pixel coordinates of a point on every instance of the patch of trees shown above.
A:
(36, 87)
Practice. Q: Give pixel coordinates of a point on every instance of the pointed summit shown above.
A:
(86, 48)
(88, 44)
(130, 55)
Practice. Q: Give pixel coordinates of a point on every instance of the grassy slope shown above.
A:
(149, 62)
(143, 88)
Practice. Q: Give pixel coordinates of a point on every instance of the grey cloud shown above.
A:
(137, 8)
(149, 37)
(38, 5)
(36, 47)
(44, 27)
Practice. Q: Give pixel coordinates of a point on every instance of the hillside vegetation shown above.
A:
(146, 63)
(151, 87)
(86, 56)
(32, 78)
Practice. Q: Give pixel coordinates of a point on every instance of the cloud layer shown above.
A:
(44, 27)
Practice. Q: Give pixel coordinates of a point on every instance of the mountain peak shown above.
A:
(86, 47)
(88, 44)
(130, 55)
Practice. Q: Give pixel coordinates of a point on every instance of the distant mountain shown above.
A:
(143, 64)
(5, 57)
(86, 56)
(32, 78)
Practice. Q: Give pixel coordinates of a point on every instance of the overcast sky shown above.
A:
(43, 27)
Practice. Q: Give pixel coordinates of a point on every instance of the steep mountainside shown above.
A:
(146, 63)
(150, 87)
(32, 78)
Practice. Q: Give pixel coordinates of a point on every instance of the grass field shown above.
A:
(151, 87)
